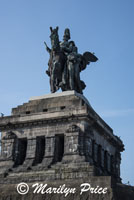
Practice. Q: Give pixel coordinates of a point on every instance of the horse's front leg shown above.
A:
(54, 77)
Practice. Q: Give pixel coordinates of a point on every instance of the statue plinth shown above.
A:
(58, 139)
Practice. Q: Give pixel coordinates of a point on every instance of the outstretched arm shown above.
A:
(47, 48)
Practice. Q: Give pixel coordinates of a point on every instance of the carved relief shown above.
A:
(9, 135)
(73, 128)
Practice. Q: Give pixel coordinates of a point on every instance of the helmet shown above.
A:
(66, 34)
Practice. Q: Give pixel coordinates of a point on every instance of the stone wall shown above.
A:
(58, 139)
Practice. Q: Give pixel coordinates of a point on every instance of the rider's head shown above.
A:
(66, 35)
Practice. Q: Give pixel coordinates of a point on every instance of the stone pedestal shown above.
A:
(59, 139)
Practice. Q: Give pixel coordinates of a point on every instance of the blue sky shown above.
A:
(105, 27)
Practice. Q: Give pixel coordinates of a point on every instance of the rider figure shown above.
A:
(72, 67)
(65, 44)
(65, 48)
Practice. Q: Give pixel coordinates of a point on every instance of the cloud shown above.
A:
(117, 113)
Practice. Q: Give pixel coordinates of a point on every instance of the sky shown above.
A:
(105, 27)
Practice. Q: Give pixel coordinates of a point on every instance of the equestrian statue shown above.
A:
(65, 63)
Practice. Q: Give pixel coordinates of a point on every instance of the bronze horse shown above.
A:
(56, 62)
(65, 65)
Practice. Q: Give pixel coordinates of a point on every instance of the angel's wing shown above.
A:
(89, 57)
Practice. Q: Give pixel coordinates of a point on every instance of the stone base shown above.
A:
(114, 191)
(5, 167)
(58, 140)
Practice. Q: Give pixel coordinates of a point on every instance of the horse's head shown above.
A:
(54, 38)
